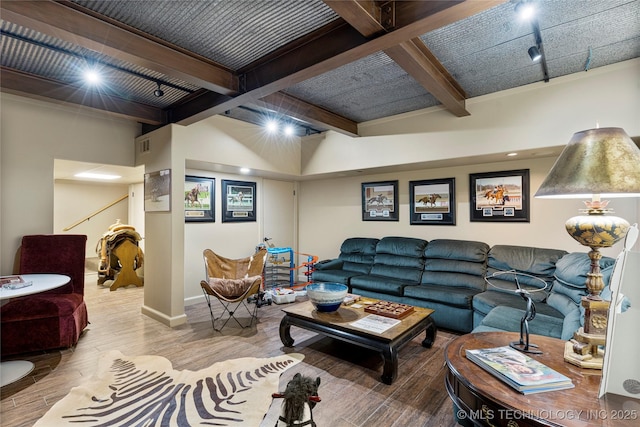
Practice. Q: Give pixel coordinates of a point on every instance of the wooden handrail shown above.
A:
(95, 213)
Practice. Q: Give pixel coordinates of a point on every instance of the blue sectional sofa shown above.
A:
(470, 285)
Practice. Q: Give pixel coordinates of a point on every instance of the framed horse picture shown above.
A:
(238, 201)
(432, 202)
(380, 201)
(500, 196)
(199, 199)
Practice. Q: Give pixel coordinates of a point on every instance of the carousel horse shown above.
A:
(120, 256)
(300, 397)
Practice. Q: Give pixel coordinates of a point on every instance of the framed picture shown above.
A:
(500, 196)
(199, 199)
(432, 202)
(238, 201)
(157, 191)
(380, 201)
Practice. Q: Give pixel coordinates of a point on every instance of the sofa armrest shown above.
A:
(329, 264)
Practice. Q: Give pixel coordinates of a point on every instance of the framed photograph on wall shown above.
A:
(199, 199)
(380, 201)
(238, 201)
(500, 196)
(432, 202)
(157, 191)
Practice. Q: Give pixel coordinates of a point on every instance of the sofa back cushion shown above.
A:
(571, 275)
(455, 263)
(55, 254)
(540, 263)
(357, 254)
(400, 258)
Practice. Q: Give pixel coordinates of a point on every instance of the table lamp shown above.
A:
(596, 163)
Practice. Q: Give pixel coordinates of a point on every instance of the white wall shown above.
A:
(539, 117)
(331, 210)
(34, 133)
(74, 201)
(533, 117)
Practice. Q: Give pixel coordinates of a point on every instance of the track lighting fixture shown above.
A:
(158, 92)
(534, 53)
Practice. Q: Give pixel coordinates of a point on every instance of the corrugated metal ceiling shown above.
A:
(484, 53)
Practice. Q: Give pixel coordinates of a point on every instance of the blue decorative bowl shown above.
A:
(327, 297)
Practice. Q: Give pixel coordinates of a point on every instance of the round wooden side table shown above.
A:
(484, 400)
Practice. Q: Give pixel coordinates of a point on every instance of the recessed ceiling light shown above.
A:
(245, 170)
(512, 154)
(96, 175)
(92, 77)
(288, 130)
(272, 126)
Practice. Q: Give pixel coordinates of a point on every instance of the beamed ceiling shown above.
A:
(320, 64)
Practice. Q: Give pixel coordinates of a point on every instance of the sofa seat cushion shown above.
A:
(383, 285)
(457, 297)
(232, 288)
(334, 276)
(484, 302)
(508, 319)
(40, 307)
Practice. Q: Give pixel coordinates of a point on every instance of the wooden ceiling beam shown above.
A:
(294, 107)
(75, 24)
(39, 88)
(293, 67)
(413, 55)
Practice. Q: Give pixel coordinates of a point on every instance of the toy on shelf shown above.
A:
(280, 267)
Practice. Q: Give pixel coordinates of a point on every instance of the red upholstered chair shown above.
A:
(51, 319)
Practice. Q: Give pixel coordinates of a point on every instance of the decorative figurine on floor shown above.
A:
(300, 397)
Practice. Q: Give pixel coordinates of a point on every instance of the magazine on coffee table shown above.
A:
(375, 323)
(14, 282)
(520, 371)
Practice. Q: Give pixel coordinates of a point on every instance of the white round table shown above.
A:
(12, 371)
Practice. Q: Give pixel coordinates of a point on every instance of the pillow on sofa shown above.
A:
(232, 288)
(571, 274)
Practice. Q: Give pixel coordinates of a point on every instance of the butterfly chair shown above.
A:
(232, 282)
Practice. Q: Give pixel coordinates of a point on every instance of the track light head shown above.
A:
(158, 92)
(534, 53)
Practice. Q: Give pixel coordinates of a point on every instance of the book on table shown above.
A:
(518, 370)
(14, 282)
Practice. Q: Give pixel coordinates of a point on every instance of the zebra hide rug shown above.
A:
(146, 391)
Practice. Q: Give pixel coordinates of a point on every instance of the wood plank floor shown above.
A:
(351, 391)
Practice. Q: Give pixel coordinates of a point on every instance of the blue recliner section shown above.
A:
(558, 310)
(453, 274)
(398, 263)
(471, 286)
(356, 258)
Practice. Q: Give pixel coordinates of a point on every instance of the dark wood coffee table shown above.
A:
(338, 325)
(484, 400)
